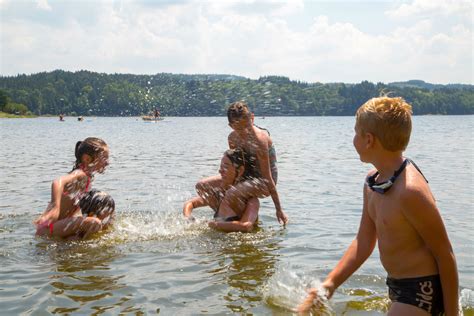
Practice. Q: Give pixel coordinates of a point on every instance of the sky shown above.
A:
(312, 41)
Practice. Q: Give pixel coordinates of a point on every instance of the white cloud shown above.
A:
(217, 38)
(288, 7)
(43, 5)
(433, 7)
(276, 8)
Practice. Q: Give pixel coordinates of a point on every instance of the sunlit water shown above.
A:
(155, 262)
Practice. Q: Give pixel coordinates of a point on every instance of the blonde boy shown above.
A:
(400, 213)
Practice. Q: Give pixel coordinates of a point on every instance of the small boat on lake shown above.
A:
(154, 116)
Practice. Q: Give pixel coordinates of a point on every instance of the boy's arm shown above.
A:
(189, 205)
(420, 210)
(358, 251)
(245, 224)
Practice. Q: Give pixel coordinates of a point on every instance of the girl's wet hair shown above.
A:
(91, 146)
(236, 156)
(237, 111)
(95, 202)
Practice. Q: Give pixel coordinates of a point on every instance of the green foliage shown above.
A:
(89, 93)
(11, 107)
(16, 108)
(3, 100)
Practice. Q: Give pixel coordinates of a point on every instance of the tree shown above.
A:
(3, 99)
(89, 93)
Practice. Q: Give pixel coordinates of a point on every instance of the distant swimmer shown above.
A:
(400, 215)
(75, 211)
(244, 216)
(156, 114)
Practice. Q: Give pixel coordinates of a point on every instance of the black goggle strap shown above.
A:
(381, 188)
(416, 167)
(385, 186)
(400, 170)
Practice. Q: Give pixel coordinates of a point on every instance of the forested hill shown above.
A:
(90, 93)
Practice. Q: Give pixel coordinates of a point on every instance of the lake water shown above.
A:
(153, 262)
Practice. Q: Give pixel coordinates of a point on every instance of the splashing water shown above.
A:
(466, 301)
(143, 226)
(286, 289)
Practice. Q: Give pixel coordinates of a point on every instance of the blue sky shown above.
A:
(313, 41)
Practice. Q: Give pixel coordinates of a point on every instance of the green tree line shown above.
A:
(90, 93)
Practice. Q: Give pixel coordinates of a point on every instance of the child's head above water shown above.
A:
(97, 203)
(237, 111)
(236, 156)
(232, 166)
(388, 119)
(92, 152)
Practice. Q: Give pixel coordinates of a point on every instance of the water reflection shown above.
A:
(84, 280)
(244, 263)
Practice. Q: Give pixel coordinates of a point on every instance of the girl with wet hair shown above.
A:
(63, 217)
(231, 171)
(91, 146)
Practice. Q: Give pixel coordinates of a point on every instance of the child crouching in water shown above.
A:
(400, 214)
(232, 171)
(75, 211)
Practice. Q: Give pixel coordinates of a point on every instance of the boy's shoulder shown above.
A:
(414, 191)
(414, 181)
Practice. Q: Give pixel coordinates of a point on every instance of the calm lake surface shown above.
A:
(153, 262)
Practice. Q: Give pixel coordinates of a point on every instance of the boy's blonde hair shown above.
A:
(388, 119)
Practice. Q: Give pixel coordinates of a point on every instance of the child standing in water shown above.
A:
(260, 171)
(232, 171)
(70, 196)
(400, 214)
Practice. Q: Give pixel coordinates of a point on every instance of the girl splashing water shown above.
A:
(69, 193)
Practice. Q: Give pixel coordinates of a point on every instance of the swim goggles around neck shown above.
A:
(383, 187)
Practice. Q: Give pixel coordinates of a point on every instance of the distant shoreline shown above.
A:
(8, 115)
(89, 93)
(4, 115)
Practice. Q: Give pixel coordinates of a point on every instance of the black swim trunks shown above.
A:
(226, 219)
(423, 292)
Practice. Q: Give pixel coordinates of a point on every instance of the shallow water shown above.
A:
(154, 262)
